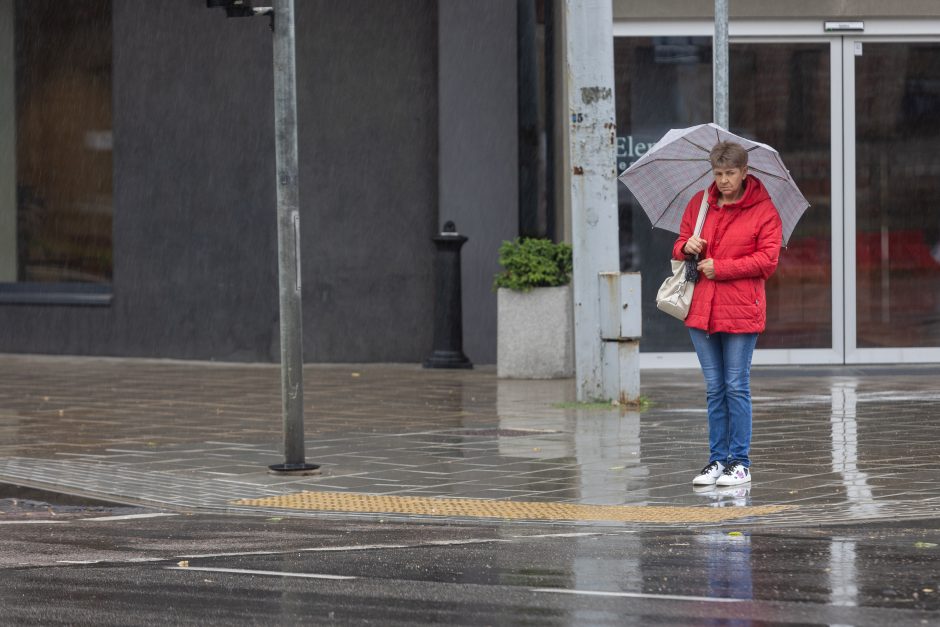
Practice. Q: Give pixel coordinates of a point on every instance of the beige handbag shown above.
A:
(675, 294)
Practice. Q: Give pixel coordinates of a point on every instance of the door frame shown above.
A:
(844, 349)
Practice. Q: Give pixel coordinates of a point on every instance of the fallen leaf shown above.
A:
(183, 564)
(735, 533)
(617, 467)
(925, 545)
(356, 374)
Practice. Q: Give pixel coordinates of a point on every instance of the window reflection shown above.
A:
(57, 228)
(660, 83)
(780, 95)
(897, 96)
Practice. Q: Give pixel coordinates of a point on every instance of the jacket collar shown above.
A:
(754, 192)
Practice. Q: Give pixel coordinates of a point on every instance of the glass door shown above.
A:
(780, 94)
(892, 195)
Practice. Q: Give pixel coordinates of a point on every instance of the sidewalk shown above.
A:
(830, 444)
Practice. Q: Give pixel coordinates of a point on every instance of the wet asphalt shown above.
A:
(97, 564)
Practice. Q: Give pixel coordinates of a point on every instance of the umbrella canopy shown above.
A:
(677, 167)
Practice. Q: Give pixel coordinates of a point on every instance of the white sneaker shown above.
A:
(735, 474)
(709, 474)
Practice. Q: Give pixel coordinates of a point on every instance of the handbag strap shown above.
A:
(691, 272)
(702, 212)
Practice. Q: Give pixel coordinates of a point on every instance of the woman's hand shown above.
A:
(694, 245)
(707, 267)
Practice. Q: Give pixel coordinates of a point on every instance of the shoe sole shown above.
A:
(726, 485)
(698, 481)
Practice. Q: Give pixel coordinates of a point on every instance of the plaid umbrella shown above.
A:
(677, 167)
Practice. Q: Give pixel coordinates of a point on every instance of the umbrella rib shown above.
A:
(689, 141)
(661, 159)
(679, 193)
(770, 174)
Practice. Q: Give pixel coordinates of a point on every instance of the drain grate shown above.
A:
(517, 510)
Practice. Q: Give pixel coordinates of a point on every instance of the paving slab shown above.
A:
(831, 445)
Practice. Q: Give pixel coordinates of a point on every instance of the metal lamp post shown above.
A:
(720, 62)
(288, 227)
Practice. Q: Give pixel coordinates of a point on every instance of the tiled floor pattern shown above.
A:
(834, 445)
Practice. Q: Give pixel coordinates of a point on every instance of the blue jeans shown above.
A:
(726, 364)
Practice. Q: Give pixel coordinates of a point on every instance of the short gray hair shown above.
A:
(728, 155)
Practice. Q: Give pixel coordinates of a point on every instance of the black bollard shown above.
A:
(448, 318)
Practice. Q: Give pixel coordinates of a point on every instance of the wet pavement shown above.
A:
(831, 445)
(246, 570)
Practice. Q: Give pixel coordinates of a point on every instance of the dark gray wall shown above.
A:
(194, 230)
(479, 158)
(367, 81)
(194, 225)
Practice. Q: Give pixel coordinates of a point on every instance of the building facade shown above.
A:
(137, 169)
(137, 201)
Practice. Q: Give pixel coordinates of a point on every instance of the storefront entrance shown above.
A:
(854, 117)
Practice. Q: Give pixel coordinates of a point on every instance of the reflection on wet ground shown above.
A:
(247, 569)
(837, 445)
(845, 570)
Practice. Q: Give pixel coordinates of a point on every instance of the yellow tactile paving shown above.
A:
(521, 510)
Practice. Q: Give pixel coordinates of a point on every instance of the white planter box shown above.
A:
(534, 333)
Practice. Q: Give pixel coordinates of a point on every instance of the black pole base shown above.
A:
(448, 359)
(294, 469)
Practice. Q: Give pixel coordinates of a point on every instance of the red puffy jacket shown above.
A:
(744, 240)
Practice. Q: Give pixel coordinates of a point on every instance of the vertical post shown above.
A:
(592, 139)
(8, 208)
(720, 63)
(448, 303)
(528, 107)
(549, 95)
(288, 241)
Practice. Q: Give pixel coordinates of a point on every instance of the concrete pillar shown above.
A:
(592, 145)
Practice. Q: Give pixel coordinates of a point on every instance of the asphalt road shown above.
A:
(84, 564)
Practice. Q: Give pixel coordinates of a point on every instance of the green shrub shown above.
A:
(531, 262)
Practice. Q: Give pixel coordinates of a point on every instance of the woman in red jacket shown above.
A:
(737, 252)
